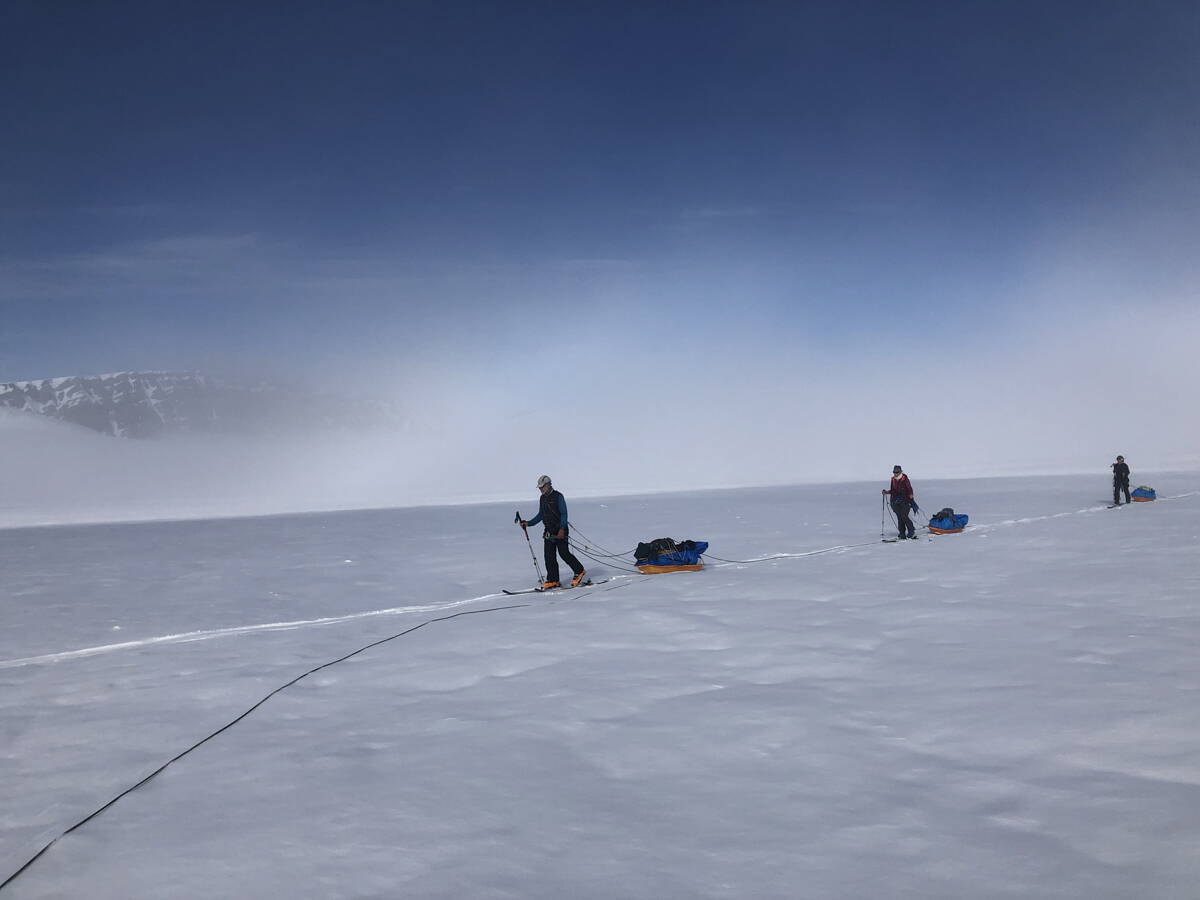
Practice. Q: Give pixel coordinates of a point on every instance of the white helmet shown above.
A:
(543, 481)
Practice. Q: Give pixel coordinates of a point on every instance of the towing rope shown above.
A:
(596, 548)
(745, 562)
(598, 554)
(604, 561)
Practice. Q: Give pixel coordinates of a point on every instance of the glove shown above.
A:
(914, 506)
(523, 523)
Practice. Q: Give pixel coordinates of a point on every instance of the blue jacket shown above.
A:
(550, 512)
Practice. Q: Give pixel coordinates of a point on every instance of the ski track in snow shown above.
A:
(235, 631)
(239, 630)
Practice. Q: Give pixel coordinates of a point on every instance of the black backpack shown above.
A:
(661, 547)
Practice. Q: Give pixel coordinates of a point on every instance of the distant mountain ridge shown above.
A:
(157, 404)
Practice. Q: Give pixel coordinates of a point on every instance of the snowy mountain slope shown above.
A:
(152, 404)
(1008, 712)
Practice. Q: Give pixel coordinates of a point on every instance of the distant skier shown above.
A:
(902, 501)
(1120, 481)
(552, 513)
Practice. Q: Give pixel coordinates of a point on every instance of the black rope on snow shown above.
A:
(233, 722)
(594, 589)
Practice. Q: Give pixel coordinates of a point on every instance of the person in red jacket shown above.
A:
(901, 492)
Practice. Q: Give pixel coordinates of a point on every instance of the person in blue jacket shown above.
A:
(552, 513)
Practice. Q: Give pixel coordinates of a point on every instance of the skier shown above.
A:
(1120, 481)
(902, 501)
(552, 513)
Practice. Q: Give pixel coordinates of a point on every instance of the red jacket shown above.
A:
(901, 487)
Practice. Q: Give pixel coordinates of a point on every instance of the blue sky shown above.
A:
(672, 191)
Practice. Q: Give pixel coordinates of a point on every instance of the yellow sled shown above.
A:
(662, 570)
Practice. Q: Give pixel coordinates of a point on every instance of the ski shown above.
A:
(565, 587)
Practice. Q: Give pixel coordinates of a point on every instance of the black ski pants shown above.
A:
(554, 549)
(903, 522)
(1121, 484)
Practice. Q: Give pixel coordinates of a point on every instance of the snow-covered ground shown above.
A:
(1010, 712)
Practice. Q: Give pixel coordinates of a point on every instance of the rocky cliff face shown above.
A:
(154, 404)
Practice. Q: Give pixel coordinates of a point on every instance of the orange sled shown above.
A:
(662, 570)
(1143, 499)
(933, 530)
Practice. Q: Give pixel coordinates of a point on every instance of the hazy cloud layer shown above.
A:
(625, 415)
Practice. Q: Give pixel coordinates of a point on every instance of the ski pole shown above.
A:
(532, 555)
(882, 513)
